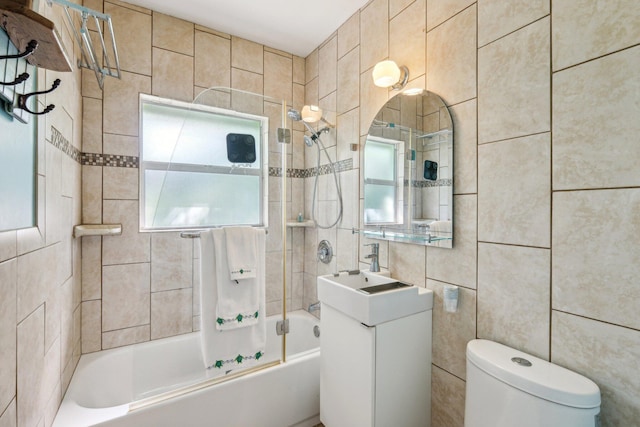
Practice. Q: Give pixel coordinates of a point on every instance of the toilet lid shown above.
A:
(540, 378)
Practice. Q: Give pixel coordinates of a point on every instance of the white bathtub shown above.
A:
(109, 387)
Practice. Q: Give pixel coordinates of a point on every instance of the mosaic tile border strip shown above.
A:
(63, 144)
(426, 184)
(110, 160)
(341, 166)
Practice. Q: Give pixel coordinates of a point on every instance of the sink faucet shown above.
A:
(375, 266)
(313, 307)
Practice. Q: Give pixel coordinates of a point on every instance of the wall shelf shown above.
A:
(22, 24)
(300, 224)
(97, 230)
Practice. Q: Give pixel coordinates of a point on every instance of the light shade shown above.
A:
(311, 113)
(388, 74)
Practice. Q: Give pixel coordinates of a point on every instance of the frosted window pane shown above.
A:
(380, 203)
(201, 199)
(178, 135)
(381, 160)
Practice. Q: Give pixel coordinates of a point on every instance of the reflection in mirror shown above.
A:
(408, 172)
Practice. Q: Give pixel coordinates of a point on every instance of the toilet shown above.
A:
(509, 388)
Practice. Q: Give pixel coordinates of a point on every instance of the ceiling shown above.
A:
(294, 26)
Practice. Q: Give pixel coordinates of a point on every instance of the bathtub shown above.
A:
(164, 383)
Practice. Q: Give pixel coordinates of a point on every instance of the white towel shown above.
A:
(241, 252)
(225, 350)
(237, 304)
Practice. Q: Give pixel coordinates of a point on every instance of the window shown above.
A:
(200, 166)
(381, 180)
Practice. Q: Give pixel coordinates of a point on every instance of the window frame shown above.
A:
(396, 183)
(262, 172)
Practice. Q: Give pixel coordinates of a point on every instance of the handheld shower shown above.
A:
(309, 141)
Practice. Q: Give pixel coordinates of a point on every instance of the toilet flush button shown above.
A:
(521, 361)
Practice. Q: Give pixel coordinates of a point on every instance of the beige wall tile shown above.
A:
(111, 339)
(607, 354)
(458, 265)
(407, 263)
(298, 70)
(278, 77)
(91, 125)
(134, 50)
(348, 83)
(583, 29)
(447, 399)
(91, 267)
(407, 38)
(121, 145)
(91, 326)
(247, 55)
(8, 278)
(327, 67)
(247, 81)
(451, 59)
(30, 357)
(120, 183)
(597, 277)
(452, 331)
(497, 18)
(53, 314)
(121, 103)
(171, 262)
(439, 11)
(9, 417)
(581, 159)
(212, 60)
(125, 296)
(349, 35)
(8, 245)
(172, 75)
(92, 194)
(172, 34)
(33, 271)
(514, 198)
(465, 147)
(311, 66)
(514, 85)
(374, 33)
(171, 313)
(514, 303)
(131, 245)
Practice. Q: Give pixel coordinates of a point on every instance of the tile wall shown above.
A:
(142, 286)
(546, 184)
(40, 267)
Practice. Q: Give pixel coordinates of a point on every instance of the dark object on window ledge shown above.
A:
(430, 170)
(241, 148)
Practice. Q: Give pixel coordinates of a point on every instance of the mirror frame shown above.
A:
(420, 208)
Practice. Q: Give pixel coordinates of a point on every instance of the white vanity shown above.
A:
(375, 351)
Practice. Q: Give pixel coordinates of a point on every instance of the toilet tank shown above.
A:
(507, 388)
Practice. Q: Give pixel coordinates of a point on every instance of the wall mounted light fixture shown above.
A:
(388, 74)
(314, 114)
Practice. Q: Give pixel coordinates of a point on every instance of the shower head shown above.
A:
(309, 140)
(294, 115)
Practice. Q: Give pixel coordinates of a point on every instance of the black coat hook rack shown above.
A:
(22, 100)
(31, 47)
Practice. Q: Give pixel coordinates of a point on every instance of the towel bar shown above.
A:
(196, 234)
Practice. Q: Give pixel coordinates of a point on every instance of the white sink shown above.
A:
(344, 292)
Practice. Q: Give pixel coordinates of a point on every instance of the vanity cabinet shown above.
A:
(375, 375)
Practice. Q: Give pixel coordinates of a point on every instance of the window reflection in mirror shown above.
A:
(408, 172)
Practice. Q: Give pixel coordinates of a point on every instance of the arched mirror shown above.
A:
(408, 172)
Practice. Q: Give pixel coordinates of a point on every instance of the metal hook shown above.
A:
(22, 100)
(31, 46)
